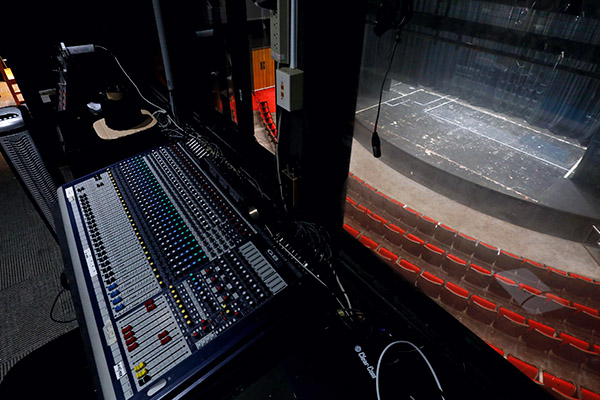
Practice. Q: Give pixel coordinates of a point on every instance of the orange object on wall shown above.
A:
(263, 68)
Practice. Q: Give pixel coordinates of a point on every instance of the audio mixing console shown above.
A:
(170, 274)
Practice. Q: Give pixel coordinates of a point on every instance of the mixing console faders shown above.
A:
(165, 264)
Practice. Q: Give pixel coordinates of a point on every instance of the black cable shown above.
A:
(52, 310)
(375, 142)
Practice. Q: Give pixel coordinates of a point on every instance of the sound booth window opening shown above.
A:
(475, 174)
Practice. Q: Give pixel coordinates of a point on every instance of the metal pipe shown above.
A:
(165, 53)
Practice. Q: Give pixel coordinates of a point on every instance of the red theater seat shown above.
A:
(454, 266)
(595, 295)
(393, 234)
(510, 323)
(478, 276)
(353, 183)
(445, 234)
(351, 200)
(557, 279)
(426, 225)
(504, 287)
(540, 336)
(381, 201)
(482, 310)
(557, 307)
(530, 298)
(351, 230)
(387, 256)
(367, 242)
(561, 385)
(537, 268)
(581, 286)
(508, 261)
(485, 252)
(430, 284)
(585, 318)
(433, 255)
(587, 394)
(499, 350)
(407, 270)
(409, 216)
(375, 223)
(528, 369)
(361, 215)
(464, 243)
(412, 244)
(393, 208)
(548, 330)
(454, 296)
(368, 192)
(573, 349)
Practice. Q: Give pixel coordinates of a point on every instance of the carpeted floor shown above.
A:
(30, 269)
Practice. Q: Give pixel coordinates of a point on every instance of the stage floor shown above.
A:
(495, 151)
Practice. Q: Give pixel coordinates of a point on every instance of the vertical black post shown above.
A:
(330, 56)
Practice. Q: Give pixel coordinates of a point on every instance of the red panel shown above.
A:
(351, 230)
(508, 254)
(585, 278)
(481, 269)
(530, 289)
(434, 248)
(368, 242)
(534, 263)
(582, 344)
(558, 271)
(356, 178)
(497, 349)
(483, 302)
(587, 394)
(548, 330)
(431, 277)
(587, 309)
(370, 187)
(446, 227)
(487, 245)
(387, 254)
(551, 296)
(411, 210)
(457, 289)
(379, 218)
(415, 238)
(505, 279)
(528, 369)
(512, 315)
(457, 259)
(397, 202)
(429, 219)
(407, 265)
(396, 229)
(467, 237)
(560, 385)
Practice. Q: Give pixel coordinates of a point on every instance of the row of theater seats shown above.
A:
(561, 388)
(267, 118)
(442, 238)
(484, 284)
(518, 286)
(535, 334)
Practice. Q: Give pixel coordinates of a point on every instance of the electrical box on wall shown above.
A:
(289, 87)
(280, 32)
